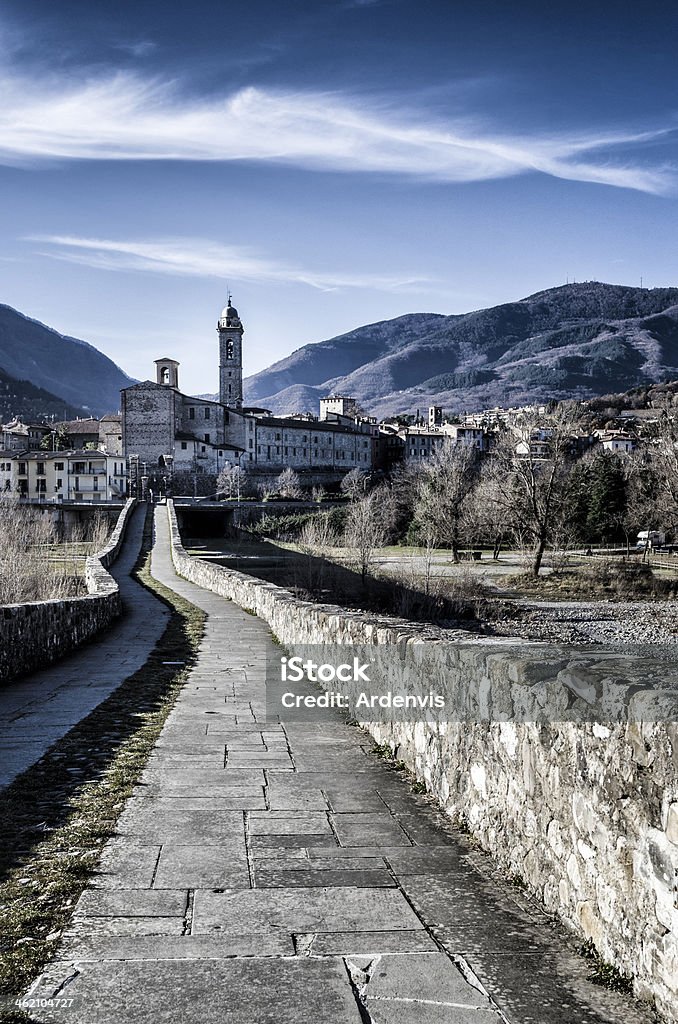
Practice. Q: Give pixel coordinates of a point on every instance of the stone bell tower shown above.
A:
(230, 357)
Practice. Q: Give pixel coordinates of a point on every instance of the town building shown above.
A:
(46, 476)
(19, 436)
(413, 443)
(165, 431)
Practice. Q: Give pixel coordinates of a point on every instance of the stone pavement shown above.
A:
(39, 709)
(267, 872)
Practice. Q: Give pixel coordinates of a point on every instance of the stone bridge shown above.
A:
(279, 870)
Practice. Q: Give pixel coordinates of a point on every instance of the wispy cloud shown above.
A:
(137, 48)
(197, 257)
(127, 117)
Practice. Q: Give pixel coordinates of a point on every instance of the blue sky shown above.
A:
(333, 163)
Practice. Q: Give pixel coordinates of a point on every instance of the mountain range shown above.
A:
(73, 376)
(574, 341)
(577, 341)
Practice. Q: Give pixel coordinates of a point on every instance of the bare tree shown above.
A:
(367, 526)
(288, 484)
(232, 480)
(527, 479)
(443, 489)
(355, 484)
(316, 538)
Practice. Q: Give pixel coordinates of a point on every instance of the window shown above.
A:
(40, 469)
(229, 349)
(207, 439)
(77, 485)
(59, 466)
(184, 446)
(59, 484)
(202, 447)
(221, 453)
(277, 437)
(286, 450)
(95, 483)
(207, 412)
(251, 443)
(191, 413)
(40, 486)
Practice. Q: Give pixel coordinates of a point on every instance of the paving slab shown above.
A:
(201, 867)
(299, 909)
(282, 878)
(127, 866)
(173, 823)
(80, 926)
(285, 823)
(169, 947)
(369, 830)
(367, 943)
(132, 903)
(299, 990)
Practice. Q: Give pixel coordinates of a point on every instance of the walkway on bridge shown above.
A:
(39, 709)
(281, 873)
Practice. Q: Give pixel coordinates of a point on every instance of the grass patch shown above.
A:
(58, 815)
(603, 973)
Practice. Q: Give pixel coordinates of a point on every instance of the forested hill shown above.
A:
(575, 341)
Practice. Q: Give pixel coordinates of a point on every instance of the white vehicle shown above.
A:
(650, 539)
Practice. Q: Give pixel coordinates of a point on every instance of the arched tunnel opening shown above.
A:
(205, 522)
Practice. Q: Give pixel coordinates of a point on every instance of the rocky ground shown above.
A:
(644, 623)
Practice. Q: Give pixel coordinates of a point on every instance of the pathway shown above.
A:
(40, 708)
(281, 873)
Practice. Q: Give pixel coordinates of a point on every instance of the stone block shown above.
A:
(303, 910)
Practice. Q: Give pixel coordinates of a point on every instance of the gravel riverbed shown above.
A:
(624, 623)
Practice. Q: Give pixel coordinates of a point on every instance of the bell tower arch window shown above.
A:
(229, 349)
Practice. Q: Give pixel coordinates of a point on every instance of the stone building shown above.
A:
(166, 430)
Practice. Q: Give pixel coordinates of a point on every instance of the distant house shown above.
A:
(19, 436)
(617, 441)
(78, 433)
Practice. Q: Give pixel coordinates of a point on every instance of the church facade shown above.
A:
(165, 429)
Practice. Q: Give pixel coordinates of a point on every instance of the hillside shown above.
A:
(72, 370)
(576, 341)
(31, 404)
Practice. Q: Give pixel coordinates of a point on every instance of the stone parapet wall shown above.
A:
(584, 811)
(37, 633)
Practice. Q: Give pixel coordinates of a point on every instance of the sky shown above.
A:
(332, 163)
